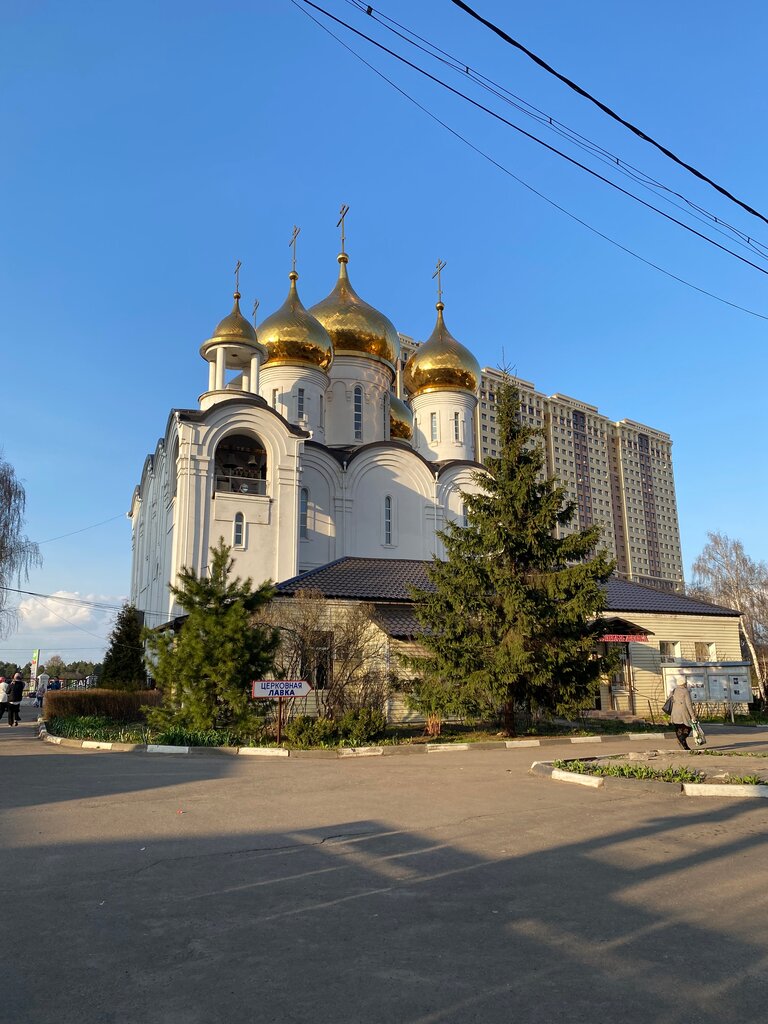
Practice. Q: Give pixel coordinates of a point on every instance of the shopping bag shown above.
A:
(698, 734)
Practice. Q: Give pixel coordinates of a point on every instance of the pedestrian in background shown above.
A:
(42, 688)
(15, 693)
(682, 714)
(5, 686)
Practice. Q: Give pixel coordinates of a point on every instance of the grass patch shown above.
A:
(631, 771)
(105, 730)
(642, 771)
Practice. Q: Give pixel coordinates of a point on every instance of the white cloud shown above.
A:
(47, 613)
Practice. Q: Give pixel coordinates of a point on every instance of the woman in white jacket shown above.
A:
(5, 688)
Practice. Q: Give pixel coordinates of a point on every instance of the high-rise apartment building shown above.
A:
(618, 474)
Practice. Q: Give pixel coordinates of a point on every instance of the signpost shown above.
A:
(280, 690)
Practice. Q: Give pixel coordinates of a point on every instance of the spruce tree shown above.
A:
(512, 618)
(123, 667)
(205, 671)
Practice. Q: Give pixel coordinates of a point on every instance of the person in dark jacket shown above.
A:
(15, 693)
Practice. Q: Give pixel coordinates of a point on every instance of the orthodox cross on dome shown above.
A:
(343, 211)
(255, 307)
(292, 245)
(439, 268)
(237, 276)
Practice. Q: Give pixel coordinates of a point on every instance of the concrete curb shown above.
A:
(593, 781)
(337, 752)
(727, 790)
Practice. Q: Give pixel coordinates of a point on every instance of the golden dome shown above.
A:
(441, 364)
(238, 335)
(356, 329)
(400, 419)
(293, 336)
(235, 327)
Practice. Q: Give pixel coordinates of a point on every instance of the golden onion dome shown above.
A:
(292, 336)
(235, 331)
(356, 329)
(441, 364)
(235, 328)
(400, 419)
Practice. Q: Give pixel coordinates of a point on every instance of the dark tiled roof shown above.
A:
(363, 579)
(390, 579)
(624, 596)
(398, 621)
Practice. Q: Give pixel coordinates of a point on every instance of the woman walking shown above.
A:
(682, 715)
(5, 685)
(15, 693)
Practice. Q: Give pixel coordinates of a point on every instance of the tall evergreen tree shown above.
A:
(511, 621)
(206, 670)
(123, 667)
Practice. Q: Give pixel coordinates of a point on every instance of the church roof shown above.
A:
(391, 579)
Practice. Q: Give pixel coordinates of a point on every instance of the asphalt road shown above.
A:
(441, 888)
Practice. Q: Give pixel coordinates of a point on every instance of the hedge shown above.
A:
(119, 705)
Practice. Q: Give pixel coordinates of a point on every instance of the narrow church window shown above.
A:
(358, 413)
(456, 428)
(387, 520)
(320, 411)
(303, 507)
(238, 534)
(433, 426)
(300, 404)
(464, 520)
(274, 398)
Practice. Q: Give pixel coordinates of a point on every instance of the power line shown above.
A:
(71, 600)
(525, 184)
(610, 159)
(606, 109)
(534, 138)
(120, 515)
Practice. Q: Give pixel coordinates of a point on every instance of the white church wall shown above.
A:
(372, 477)
(321, 479)
(346, 422)
(444, 425)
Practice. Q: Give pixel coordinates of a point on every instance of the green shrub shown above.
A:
(356, 728)
(304, 731)
(117, 705)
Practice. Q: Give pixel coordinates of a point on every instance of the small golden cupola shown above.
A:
(441, 364)
(233, 346)
(355, 327)
(400, 419)
(294, 337)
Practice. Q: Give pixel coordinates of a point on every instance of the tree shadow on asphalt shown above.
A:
(361, 923)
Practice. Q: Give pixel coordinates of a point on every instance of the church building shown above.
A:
(314, 440)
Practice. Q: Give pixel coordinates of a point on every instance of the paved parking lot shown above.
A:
(442, 888)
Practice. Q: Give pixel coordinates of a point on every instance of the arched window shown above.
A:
(300, 404)
(320, 412)
(433, 426)
(358, 413)
(238, 531)
(464, 520)
(241, 465)
(456, 427)
(387, 520)
(303, 509)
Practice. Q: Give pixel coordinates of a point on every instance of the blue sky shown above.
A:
(148, 146)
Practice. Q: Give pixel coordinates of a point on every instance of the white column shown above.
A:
(211, 375)
(255, 375)
(245, 382)
(220, 368)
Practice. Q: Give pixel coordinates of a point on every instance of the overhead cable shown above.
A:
(521, 181)
(606, 109)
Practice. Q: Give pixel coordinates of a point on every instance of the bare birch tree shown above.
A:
(18, 554)
(724, 573)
